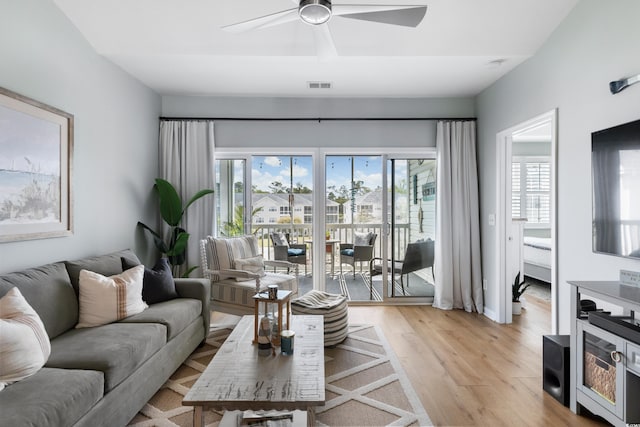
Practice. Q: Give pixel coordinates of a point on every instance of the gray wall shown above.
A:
(597, 43)
(314, 133)
(116, 129)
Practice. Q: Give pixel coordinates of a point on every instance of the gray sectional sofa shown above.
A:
(100, 376)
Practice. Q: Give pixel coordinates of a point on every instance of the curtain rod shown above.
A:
(320, 119)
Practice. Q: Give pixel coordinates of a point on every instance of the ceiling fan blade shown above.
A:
(325, 48)
(405, 15)
(264, 21)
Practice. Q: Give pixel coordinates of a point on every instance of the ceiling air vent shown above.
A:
(319, 85)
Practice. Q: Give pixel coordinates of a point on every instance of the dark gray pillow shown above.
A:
(157, 284)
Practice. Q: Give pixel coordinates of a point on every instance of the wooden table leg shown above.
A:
(332, 260)
(311, 416)
(198, 417)
(255, 321)
(288, 314)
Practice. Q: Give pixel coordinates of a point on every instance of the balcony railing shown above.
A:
(342, 232)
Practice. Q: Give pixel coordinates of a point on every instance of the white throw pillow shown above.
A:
(254, 265)
(107, 299)
(362, 239)
(24, 343)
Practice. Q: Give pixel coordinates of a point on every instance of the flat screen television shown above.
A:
(615, 170)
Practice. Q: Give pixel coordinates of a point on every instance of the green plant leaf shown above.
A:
(170, 202)
(149, 229)
(197, 196)
(180, 244)
(189, 271)
(157, 239)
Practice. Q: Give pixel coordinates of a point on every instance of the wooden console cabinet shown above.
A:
(605, 375)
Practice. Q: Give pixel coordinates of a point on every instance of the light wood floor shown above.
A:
(469, 370)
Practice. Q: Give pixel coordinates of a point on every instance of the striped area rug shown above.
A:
(365, 386)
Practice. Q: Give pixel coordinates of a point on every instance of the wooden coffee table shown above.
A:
(238, 379)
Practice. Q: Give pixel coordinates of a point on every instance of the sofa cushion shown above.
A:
(107, 265)
(107, 299)
(42, 285)
(241, 293)
(158, 284)
(175, 314)
(116, 349)
(51, 397)
(24, 344)
(253, 264)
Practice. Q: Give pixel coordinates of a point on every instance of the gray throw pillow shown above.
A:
(157, 284)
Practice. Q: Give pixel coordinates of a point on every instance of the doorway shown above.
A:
(527, 206)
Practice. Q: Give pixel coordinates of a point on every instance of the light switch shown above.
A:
(492, 219)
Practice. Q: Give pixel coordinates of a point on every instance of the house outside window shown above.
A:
(332, 214)
(308, 215)
(285, 210)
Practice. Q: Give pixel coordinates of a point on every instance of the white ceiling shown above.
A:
(177, 46)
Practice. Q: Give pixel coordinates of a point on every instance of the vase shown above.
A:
(516, 308)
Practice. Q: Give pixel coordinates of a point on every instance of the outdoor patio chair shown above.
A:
(419, 255)
(291, 252)
(361, 250)
(236, 270)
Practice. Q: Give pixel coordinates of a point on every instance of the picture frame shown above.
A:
(36, 154)
(429, 191)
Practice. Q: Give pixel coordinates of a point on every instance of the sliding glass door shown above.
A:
(354, 218)
(377, 219)
(412, 209)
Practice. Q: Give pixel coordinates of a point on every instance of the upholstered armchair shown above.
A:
(291, 252)
(361, 250)
(236, 270)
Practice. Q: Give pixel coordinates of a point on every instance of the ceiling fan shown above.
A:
(317, 13)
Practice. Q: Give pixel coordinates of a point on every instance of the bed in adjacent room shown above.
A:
(537, 258)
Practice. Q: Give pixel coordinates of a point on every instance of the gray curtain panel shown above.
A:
(457, 252)
(186, 160)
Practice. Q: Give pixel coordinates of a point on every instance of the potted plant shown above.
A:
(517, 289)
(172, 210)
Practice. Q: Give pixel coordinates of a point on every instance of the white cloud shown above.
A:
(272, 161)
(298, 172)
(372, 180)
(263, 180)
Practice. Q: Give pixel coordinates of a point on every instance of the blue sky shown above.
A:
(267, 169)
(28, 143)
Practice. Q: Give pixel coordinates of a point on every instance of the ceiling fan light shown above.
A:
(315, 12)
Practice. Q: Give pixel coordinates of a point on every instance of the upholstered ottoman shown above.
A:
(334, 309)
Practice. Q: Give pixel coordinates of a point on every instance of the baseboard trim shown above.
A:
(491, 314)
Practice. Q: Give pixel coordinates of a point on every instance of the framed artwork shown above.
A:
(36, 150)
